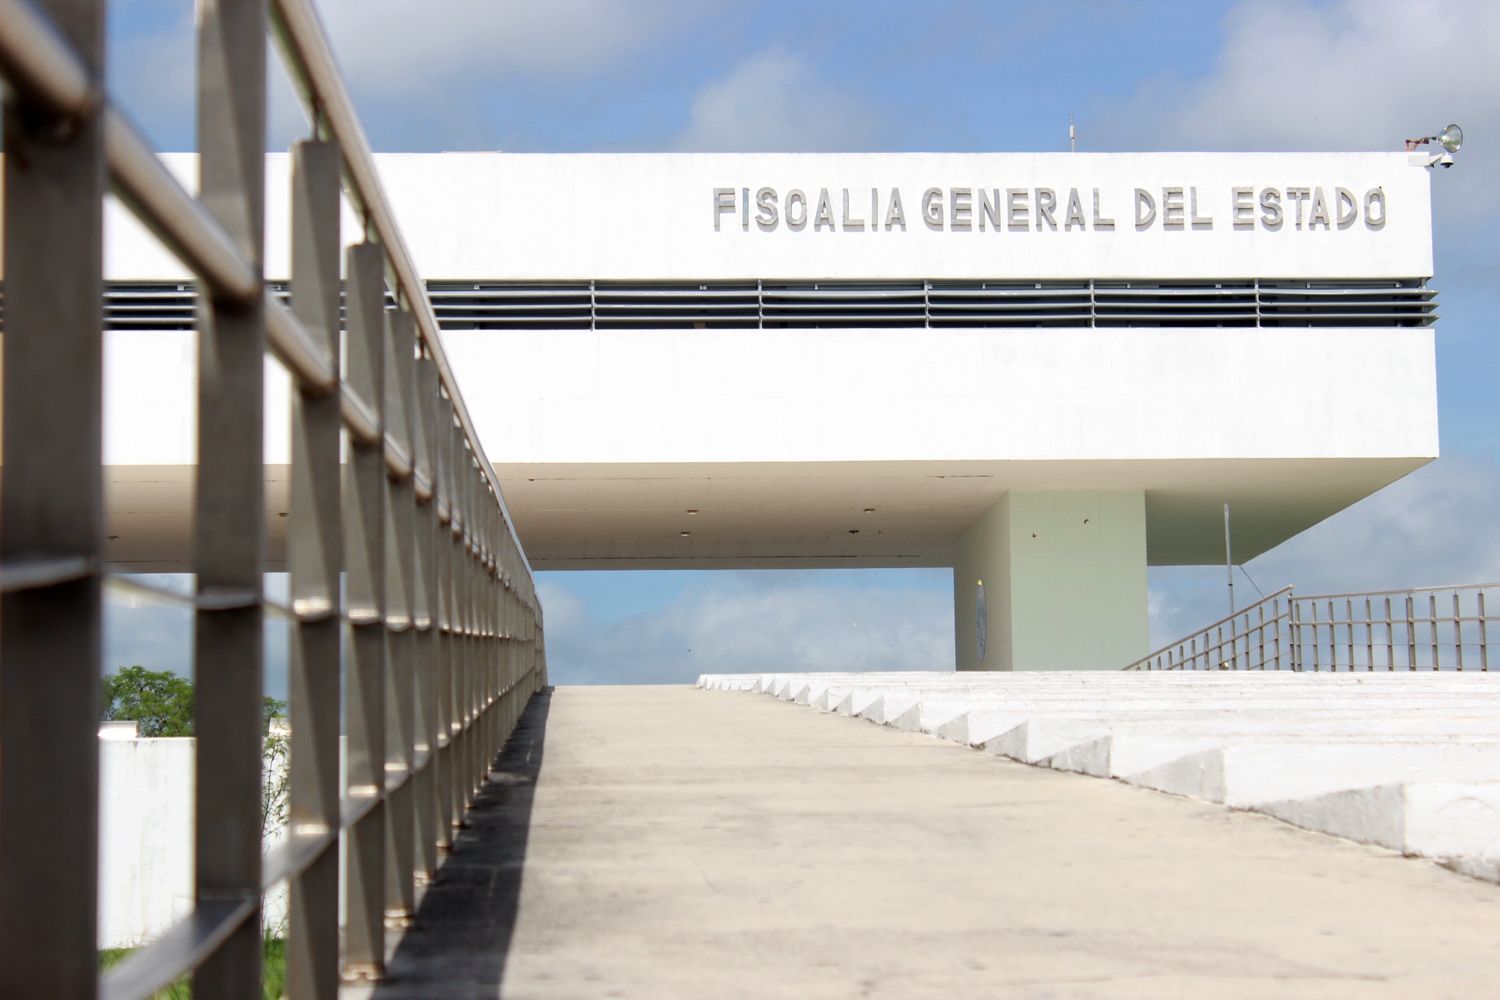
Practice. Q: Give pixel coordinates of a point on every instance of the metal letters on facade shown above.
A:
(1043, 209)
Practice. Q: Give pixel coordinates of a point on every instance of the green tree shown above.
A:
(160, 702)
(276, 754)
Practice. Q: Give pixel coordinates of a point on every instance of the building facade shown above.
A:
(1046, 371)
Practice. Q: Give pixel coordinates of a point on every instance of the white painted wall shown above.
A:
(503, 216)
(1066, 395)
(151, 403)
(869, 395)
(145, 838)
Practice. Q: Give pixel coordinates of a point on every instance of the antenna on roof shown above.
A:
(1072, 135)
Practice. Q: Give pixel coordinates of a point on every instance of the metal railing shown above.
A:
(1255, 638)
(415, 624)
(1419, 628)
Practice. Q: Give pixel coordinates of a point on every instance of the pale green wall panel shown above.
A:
(1065, 582)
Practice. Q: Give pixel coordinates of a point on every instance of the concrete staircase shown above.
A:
(1408, 761)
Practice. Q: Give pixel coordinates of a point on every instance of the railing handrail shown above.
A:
(1401, 590)
(1448, 630)
(311, 62)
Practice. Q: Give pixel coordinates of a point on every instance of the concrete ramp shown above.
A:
(666, 843)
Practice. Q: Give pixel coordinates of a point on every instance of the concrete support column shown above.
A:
(1061, 579)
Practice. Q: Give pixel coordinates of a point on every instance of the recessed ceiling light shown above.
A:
(692, 512)
(869, 510)
(686, 533)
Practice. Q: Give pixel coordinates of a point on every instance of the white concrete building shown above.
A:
(1048, 371)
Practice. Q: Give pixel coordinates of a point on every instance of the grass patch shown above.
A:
(272, 971)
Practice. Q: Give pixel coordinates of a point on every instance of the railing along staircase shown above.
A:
(1421, 628)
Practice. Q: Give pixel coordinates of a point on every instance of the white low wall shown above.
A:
(146, 840)
(1407, 761)
(145, 837)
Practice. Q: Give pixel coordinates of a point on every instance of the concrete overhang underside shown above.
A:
(878, 514)
(805, 515)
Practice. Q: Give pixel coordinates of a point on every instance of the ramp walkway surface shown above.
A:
(665, 842)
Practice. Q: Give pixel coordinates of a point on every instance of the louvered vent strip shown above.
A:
(619, 305)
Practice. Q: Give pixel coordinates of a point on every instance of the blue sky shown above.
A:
(573, 75)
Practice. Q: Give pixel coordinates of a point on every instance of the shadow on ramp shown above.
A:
(458, 943)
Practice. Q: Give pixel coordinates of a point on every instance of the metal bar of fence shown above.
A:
(400, 615)
(229, 512)
(1188, 658)
(188, 226)
(1432, 618)
(41, 60)
(52, 510)
(443, 566)
(315, 558)
(426, 716)
(1458, 633)
(187, 944)
(1411, 634)
(45, 64)
(1399, 592)
(365, 551)
(1484, 637)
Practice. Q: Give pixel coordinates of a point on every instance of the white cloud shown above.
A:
(1435, 527)
(394, 47)
(775, 102)
(1354, 74)
(781, 623)
(424, 66)
(1344, 75)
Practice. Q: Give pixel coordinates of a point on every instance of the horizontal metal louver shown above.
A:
(613, 305)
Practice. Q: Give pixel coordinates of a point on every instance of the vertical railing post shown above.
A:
(1484, 635)
(469, 609)
(458, 677)
(466, 620)
(1294, 632)
(229, 508)
(1349, 625)
(1390, 640)
(426, 716)
(315, 558)
(443, 562)
(400, 616)
(52, 509)
(365, 672)
(1458, 631)
(1411, 633)
(1432, 619)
